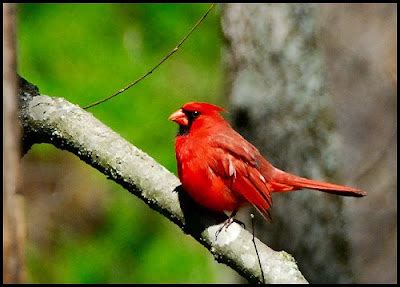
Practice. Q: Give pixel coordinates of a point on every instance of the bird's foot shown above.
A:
(227, 223)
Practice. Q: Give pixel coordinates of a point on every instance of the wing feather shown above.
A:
(237, 163)
(237, 146)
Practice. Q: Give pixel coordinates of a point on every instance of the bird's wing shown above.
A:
(236, 162)
(236, 145)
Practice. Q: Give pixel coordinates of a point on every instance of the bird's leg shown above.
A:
(228, 222)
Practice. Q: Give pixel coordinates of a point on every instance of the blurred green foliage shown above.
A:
(86, 52)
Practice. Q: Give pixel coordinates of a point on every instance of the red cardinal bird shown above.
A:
(221, 170)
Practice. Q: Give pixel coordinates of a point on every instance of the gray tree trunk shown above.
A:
(13, 219)
(360, 51)
(278, 101)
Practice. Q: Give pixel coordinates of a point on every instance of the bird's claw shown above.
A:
(227, 223)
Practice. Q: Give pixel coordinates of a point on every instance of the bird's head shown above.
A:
(194, 112)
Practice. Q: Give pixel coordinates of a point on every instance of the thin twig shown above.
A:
(173, 51)
(255, 247)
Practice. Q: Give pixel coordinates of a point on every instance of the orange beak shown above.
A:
(179, 117)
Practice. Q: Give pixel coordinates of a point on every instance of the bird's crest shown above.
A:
(203, 108)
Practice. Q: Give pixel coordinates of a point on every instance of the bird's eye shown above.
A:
(191, 115)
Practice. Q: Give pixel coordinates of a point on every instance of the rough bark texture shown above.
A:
(67, 126)
(279, 102)
(13, 221)
(360, 50)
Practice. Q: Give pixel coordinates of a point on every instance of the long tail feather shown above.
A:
(283, 181)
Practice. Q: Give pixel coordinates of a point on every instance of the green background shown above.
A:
(84, 53)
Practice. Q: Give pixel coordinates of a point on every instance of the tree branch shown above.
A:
(69, 127)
